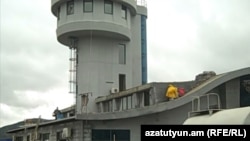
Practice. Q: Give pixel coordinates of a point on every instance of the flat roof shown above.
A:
(43, 124)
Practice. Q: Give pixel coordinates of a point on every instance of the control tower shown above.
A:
(108, 46)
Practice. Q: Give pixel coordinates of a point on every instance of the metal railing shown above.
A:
(210, 108)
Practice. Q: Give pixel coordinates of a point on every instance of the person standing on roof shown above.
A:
(172, 92)
(57, 113)
(181, 92)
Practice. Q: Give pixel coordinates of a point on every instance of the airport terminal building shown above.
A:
(108, 75)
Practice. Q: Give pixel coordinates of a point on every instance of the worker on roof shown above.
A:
(172, 92)
(57, 113)
(181, 92)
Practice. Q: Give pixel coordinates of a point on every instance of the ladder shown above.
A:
(72, 65)
(73, 68)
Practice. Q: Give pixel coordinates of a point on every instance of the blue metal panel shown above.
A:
(5, 139)
(144, 49)
(59, 116)
(245, 91)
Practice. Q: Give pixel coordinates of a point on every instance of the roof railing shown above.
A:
(198, 109)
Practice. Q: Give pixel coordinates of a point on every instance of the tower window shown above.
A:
(122, 82)
(70, 7)
(58, 13)
(108, 7)
(124, 12)
(87, 5)
(122, 54)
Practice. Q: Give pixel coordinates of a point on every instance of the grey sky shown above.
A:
(184, 37)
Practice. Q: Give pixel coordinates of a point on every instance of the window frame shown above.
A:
(122, 82)
(59, 136)
(92, 6)
(124, 10)
(18, 138)
(45, 136)
(106, 3)
(70, 3)
(122, 54)
(146, 98)
(28, 137)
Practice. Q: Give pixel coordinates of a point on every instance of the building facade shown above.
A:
(108, 44)
(121, 115)
(108, 74)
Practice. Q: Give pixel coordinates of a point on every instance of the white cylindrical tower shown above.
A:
(107, 39)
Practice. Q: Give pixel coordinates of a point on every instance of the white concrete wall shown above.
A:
(97, 14)
(99, 35)
(99, 69)
(98, 66)
(175, 116)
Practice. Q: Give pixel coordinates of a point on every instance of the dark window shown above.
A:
(70, 7)
(110, 135)
(100, 135)
(45, 137)
(122, 82)
(146, 98)
(124, 12)
(120, 135)
(28, 138)
(59, 136)
(108, 7)
(19, 138)
(58, 13)
(87, 5)
(122, 54)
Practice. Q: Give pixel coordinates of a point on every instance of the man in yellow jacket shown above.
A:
(172, 92)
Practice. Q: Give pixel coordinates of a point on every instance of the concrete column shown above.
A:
(233, 93)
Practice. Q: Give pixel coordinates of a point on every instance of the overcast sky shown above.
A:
(184, 38)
